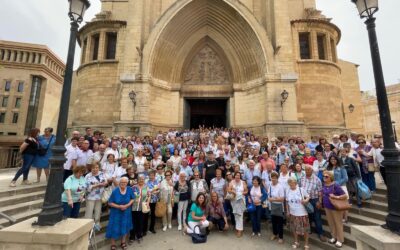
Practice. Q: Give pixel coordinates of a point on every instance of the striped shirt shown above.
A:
(312, 185)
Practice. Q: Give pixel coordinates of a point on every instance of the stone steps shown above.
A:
(25, 202)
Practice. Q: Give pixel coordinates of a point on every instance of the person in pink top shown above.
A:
(265, 159)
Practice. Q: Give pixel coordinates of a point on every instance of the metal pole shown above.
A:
(391, 155)
(52, 211)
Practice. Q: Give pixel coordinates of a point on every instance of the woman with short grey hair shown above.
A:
(182, 187)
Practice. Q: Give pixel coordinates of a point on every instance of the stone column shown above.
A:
(102, 46)
(328, 48)
(314, 45)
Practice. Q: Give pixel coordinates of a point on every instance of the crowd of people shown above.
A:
(210, 178)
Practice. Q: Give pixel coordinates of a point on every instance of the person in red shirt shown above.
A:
(189, 158)
(308, 159)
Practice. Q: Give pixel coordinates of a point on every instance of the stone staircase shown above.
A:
(25, 202)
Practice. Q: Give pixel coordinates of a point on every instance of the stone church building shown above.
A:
(149, 65)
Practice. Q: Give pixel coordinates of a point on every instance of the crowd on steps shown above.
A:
(211, 179)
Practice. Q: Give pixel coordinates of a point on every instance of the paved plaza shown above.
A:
(174, 240)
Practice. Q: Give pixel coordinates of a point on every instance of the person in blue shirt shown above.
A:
(250, 173)
(120, 220)
(74, 190)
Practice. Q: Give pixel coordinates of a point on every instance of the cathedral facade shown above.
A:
(266, 65)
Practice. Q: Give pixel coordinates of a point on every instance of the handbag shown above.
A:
(340, 205)
(229, 196)
(145, 207)
(371, 167)
(251, 207)
(106, 194)
(363, 191)
(43, 151)
(276, 209)
(161, 209)
(308, 206)
(198, 238)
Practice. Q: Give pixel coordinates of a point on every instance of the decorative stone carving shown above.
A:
(206, 67)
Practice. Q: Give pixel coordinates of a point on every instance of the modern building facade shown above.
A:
(31, 78)
(151, 65)
(371, 113)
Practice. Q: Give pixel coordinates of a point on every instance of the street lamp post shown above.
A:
(391, 162)
(52, 211)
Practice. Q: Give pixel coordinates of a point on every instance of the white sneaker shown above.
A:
(259, 234)
(338, 244)
(169, 226)
(180, 228)
(164, 228)
(13, 184)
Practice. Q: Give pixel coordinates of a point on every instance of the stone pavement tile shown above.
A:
(174, 240)
(7, 175)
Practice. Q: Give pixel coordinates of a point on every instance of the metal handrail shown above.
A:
(10, 219)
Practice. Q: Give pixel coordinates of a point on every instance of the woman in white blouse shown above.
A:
(176, 159)
(109, 167)
(140, 160)
(95, 182)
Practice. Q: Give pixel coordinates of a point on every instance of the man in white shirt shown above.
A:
(75, 134)
(186, 169)
(114, 150)
(71, 154)
(84, 154)
(100, 155)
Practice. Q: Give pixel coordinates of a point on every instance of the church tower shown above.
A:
(150, 65)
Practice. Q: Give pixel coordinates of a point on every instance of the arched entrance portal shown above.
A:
(206, 50)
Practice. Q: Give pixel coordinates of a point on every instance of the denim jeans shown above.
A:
(256, 219)
(369, 180)
(229, 211)
(316, 217)
(71, 212)
(27, 160)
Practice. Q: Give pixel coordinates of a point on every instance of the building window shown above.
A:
(2, 117)
(321, 41)
(12, 133)
(33, 105)
(15, 118)
(84, 46)
(95, 47)
(333, 50)
(111, 45)
(7, 87)
(20, 86)
(304, 43)
(18, 102)
(4, 103)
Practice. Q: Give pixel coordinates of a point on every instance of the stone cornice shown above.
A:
(319, 21)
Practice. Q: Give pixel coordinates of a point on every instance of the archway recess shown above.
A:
(202, 21)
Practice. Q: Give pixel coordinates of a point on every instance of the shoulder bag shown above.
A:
(43, 151)
(198, 237)
(161, 209)
(308, 206)
(276, 208)
(340, 205)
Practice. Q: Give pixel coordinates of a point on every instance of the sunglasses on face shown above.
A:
(326, 176)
